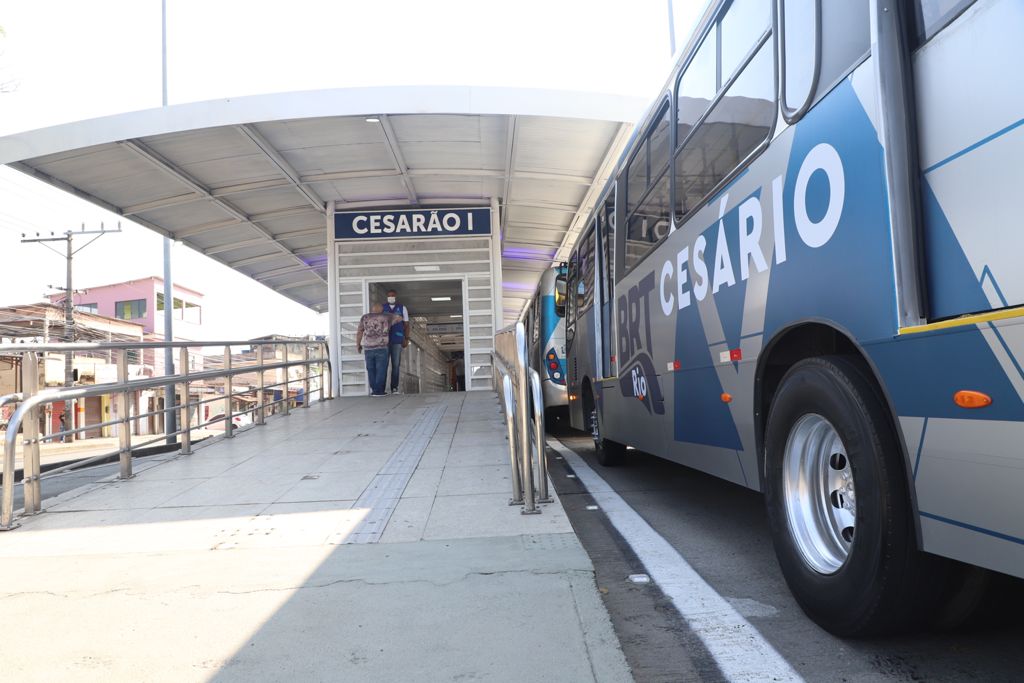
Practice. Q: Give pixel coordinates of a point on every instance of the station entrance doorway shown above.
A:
(445, 266)
(435, 357)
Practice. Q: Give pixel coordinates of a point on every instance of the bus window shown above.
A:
(560, 295)
(931, 15)
(742, 26)
(607, 219)
(636, 178)
(845, 41)
(571, 280)
(800, 52)
(649, 224)
(696, 88)
(587, 262)
(737, 125)
(658, 144)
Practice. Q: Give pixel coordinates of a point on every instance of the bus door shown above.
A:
(969, 152)
(605, 274)
(571, 365)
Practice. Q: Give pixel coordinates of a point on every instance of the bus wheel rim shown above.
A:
(819, 495)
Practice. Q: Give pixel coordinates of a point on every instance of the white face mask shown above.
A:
(392, 299)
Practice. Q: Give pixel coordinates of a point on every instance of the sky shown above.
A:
(67, 60)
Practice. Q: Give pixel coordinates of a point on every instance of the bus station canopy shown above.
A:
(246, 180)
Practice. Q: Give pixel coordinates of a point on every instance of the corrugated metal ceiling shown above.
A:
(252, 195)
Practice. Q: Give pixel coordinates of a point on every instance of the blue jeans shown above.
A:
(376, 368)
(396, 362)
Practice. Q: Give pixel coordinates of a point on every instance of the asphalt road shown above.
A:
(721, 530)
(59, 483)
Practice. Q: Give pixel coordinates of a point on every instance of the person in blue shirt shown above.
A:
(399, 337)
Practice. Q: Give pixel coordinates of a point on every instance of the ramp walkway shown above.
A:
(360, 539)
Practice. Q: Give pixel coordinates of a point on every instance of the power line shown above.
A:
(69, 306)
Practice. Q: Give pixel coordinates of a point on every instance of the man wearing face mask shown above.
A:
(399, 337)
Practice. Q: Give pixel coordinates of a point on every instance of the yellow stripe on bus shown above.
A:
(966, 320)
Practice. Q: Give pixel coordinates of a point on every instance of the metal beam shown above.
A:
(430, 201)
(82, 194)
(551, 206)
(170, 169)
(214, 226)
(188, 198)
(296, 285)
(278, 272)
(348, 175)
(282, 165)
(392, 140)
(255, 185)
(161, 203)
(231, 246)
(510, 165)
(281, 213)
(270, 257)
(300, 233)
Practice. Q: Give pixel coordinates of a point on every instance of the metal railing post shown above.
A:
(522, 416)
(287, 399)
(260, 391)
(7, 503)
(305, 376)
(123, 407)
(539, 431)
(510, 412)
(229, 390)
(186, 409)
(30, 432)
(326, 383)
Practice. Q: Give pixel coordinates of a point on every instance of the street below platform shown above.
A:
(721, 531)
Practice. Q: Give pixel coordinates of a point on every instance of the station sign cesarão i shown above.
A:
(351, 225)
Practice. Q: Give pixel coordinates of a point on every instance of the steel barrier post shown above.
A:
(186, 418)
(123, 407)
(7, 503)
(510, 412)
(229, 390)
(326, 385)
(523, 418)
(30, 432)
(539, 431)
(305, 376)
(287, 399)
(260, 398)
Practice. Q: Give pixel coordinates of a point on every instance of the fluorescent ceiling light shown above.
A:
(426, 269)
(372, 119)
(440, 298)
(457, 315)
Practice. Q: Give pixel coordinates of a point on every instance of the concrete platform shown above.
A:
(362, 539)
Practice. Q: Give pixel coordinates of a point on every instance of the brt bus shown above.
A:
(545, 324)
(804, 278)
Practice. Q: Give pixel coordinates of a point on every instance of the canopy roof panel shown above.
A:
(246, 181)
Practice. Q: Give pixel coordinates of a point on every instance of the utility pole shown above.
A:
(170, 416)
(69, 303)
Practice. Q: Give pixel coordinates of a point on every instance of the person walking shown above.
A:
(398, 338)
(372, 341)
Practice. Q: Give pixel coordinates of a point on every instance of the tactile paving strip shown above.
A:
(382, 495)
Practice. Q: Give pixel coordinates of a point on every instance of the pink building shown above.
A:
(142, 302)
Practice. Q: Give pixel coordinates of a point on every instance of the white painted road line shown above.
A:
(738, 648)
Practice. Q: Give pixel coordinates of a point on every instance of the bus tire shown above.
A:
(840, 517)
(608, 453)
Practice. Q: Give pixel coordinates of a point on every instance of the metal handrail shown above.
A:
(539, 430)
(31, 400)
(511, 359)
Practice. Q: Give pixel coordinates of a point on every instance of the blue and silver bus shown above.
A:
(805, 278)
(545, 323)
